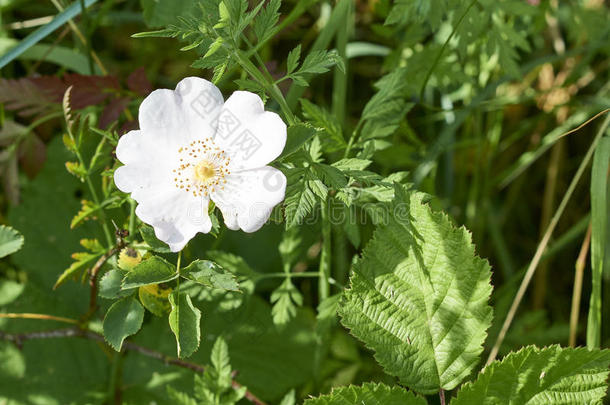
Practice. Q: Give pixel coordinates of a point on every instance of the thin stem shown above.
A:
(440, 53)
(97, 202)
(93, 280)
(441, 395)
(273, 90)
(577, 291)
(304, 274)
(132, 217)
(543, 243)
(325, 255)
(38, 316)
(18, 339)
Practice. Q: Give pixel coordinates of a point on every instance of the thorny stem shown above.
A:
(543, 243)
(18, 339)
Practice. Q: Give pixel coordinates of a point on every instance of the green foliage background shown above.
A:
(454, 111)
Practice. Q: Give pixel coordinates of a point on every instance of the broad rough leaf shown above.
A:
(184, 320)
(151, 271)
(124, 318)
(552, 375)
(10, 240)
(211, 275)
(418, 297)
(110, 285)
(369, 394)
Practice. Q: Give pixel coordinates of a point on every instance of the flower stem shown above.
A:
(325, 255)
(271, 88)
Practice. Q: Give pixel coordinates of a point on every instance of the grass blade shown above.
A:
(599, 209)
(60, 19)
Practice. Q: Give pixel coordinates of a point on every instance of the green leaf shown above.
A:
(418, 297)
(293, 59)
(297, 136)
(321, 118)
(10, 291)
(300, 199)
(124, 318)
(210, 274)
(266, 20)
(369, 394)
(289, 399)
(148, 235)
(12, 363)
(552, 375)
(285, 300)
(154, 298)
(179, 398)
(154, 270)
(331, 176)
(110, 285)
(184, 321)
(10, 240)
(215, 386)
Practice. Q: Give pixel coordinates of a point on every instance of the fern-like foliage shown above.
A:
(541, 376)
(369, 394)
(418, 297)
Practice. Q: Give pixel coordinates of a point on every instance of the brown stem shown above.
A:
(19, 338)
(577, 291)
(441, 394)
(93, 280)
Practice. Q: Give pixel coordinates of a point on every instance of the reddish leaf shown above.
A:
(32, 155)
(128, 126)
(90, 90)
(112, 111)
(138, 82)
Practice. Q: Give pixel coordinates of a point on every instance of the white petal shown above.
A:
(252, 136)
(176, 217)
(249, 197)
(179, 116)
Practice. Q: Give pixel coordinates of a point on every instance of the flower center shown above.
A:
(204, 171)
(202, 168)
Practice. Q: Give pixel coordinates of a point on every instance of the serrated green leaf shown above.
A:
(321, 118)
(552, 375)
(266, 20)
(148, 235)
(292, 61)
(124, 318)
(414, 274)
(331, 176)
(211, 275)
(87, 209)
(179, 398)
(297, 136)
(299, 201)
(154, 298)
(369, 394)
(154, 270)
(110, 285)
(285, 300)
(184, 321)
(10, 240)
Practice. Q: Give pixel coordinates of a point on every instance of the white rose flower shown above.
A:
(193, 147)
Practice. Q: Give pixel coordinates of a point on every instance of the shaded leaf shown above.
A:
(184, 321)
(124, 318)
(151, 271)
